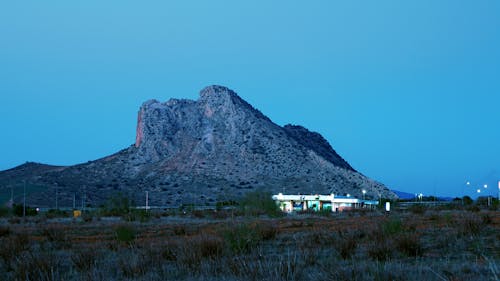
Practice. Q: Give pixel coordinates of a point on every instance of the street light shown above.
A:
(364, 192)
(463, 195)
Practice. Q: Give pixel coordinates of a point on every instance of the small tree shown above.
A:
(259, 203)
(118, 205)
(467, 200)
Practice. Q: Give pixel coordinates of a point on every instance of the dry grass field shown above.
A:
(424, 245)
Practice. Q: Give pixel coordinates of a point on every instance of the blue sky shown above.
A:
(407, 91)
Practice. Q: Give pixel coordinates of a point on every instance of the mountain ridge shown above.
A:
(204, 151)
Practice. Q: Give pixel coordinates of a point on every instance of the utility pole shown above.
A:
(24, 199)
(57, 193)
(147, 204)
(84, 199)
(74, 201)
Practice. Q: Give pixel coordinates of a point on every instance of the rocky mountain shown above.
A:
(200, 152)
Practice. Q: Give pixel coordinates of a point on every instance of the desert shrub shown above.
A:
(410, 245)
(179, 229)
(117, 205)
(241, 238)
(4, 231)
(137, 215)
(18, 210)
(4, 212)
(219, 205)
(392, 226)
(87, 217)
(168, 252)
(195, 249)
(56, 234)
(257, 203)
(12, 247)
(55, 213)
(380, 250)
(470, 225)
(473, 208)
(267, 230)
(418, 209)
(14, 220)
(38, 265)
(486, 218)
(84, 259)
(199, 214)
(125, 233)
(209, 245)
(346, 246)
(132, 264)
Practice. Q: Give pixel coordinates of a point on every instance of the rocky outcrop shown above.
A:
(213, 149)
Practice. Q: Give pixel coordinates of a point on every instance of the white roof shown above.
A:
(331, 198)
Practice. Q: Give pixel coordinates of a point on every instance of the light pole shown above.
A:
(485, 186)
(364, 192)
(498, 190)
(463, 195)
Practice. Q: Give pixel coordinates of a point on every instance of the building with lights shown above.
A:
(334, 203)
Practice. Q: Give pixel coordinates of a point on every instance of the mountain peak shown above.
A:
(216, 91)
(216, 148)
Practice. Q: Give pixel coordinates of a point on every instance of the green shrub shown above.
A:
(4, 212)
(259, 203)
(471, 225)
(380, 250)
(56, 235)
(54, 213)
(392, 226)
(241, 238)
(83, 259)
(118, 205)
(4, 231)
(125, 233)
(410, 245)
(418, 209)
(137, 215)
(346, 246)
(18, 211)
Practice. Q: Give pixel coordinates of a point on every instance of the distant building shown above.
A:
(334, 203)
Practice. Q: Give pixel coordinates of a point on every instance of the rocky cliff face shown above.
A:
(209, 150)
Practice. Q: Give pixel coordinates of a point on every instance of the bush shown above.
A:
(380, 251)
(418, 209)
(346, 246)
(259, 203)
(54, 213)
(18, 211)
(409, 244)
(83, 259)
(471, 225)
(4, 212)
(4, 231)
(118, 205)
(392, 226)
(241, 238)
(125, 233)
(55, 234)
(137, 215)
